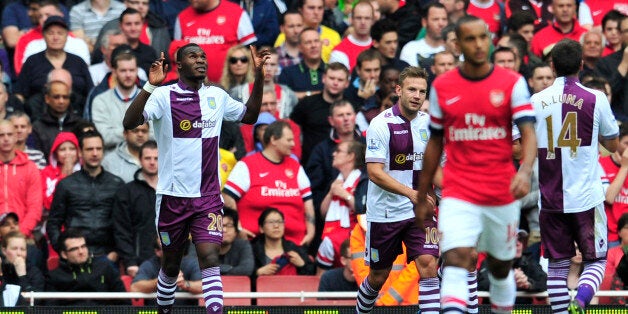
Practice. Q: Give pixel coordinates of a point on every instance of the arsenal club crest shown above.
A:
(289, 173)
(496, 97)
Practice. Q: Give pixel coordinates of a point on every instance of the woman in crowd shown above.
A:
(29, 276)
(338, 206)
(274, 254)
(63, 161)
(238, 68)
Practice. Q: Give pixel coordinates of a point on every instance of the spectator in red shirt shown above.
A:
(565, 25)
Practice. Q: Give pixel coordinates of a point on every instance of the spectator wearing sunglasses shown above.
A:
(238, 68)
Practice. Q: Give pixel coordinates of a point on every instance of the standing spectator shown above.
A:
(340, 278)
(238, 68)
(109, 107)
(312, 13)
(421, 52)
(36, 106)
(347, 51)
(63, 161)
(188, 279)
(361, 92)
(84, 201)
(134, 212)
(470, 180)
(21, 181)
(236, 254)
(131, 24)
(311, 112)
(614, 68)
(565, 205)
(291, 27)
(305, 78)
(271, 178)
(610, 28)
(492, 12)
(522, 23)
(58, 116)
(34, 73)
(565, 25)
(109, 41)
(125, 160)
(539, 9)
(89, 16)
(274, 253)
(78, 271)
(23, 131)
(506, 58)
(405, 16)
(194, 203)
(216, 26)
(385, 40)
(395, 138)
(541, 77)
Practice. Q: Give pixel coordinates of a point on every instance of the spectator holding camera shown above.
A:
(274, 255)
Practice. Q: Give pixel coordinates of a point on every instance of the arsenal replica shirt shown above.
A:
(476, 116)
(187, 125)
(215, 31)
(570, 119)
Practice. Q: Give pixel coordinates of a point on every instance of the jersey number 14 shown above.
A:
(568, 136)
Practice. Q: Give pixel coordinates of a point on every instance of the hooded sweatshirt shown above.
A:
(51, 175)
(21, 193)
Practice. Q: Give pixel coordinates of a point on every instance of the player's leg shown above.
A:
(472, 284)
(593, 251)
(460, 226)
(173, 233)
(558, 247)
(206, 230)
(383, 245)
(425, 244)
(499, 240)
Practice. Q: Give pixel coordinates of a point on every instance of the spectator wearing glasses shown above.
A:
(79, 272)
(238, 68)
(236, 254)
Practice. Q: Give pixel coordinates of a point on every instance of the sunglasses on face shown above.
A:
(234, 60)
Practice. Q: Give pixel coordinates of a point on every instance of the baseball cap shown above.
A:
(55, 20)
(3, 217)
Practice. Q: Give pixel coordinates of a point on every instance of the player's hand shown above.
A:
(268, 269)
(368, 89)
(295, 259)
(259, 59)
(423, 210)
(624, 158)
(158, 70)
(520, 185)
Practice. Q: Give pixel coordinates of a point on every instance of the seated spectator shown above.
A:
(64, 161)
(238, 68)
(79, 272)
(189, 279)
(305, 78)
(338, 206)
(14, 252)
(616, 256)
(263, 121)
(274, 254)
(124, 161)
(36, 257)
(271, 178)
(529, 275)
(57, 118)
(340, 278)
(361, 92)
(236, 254)
(84, 201)
(36, 106)
(134, 212)
(20, 182)
(23, 131)
(86, 21)
(36, 68)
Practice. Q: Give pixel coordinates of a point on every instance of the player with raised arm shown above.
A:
(472, 110)
(188, 117)
(396, 140)
(571, 121)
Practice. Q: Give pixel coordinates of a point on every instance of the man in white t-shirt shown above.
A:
(187, 118)
(420, 52)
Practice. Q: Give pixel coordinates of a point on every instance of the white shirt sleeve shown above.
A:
(156, 104)
(246, 34)
(436, 114)
(608, 124)
(234, 110)
(377, 141)
(520, 101)
(239, 181)
(409, 53)
(177, 34)
(304, 183)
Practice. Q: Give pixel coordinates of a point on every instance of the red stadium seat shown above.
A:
(286, 284)
(126, 279)
(236, 284)
(53, 262)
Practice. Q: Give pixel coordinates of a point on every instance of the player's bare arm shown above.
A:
(254, 103)
(431, 159)
(156, 75)
(310, 221)
(520, 185)
(610, 144)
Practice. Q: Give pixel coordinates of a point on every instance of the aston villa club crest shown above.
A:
(165, 238)
(211, 102)
(496, 97)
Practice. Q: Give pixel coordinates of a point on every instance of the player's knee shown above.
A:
(209, 259)
(427, 266)
(499, 269)
(377, 278)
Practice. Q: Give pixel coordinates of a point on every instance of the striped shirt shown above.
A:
(83, 17)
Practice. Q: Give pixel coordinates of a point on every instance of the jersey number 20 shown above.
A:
(568, 136)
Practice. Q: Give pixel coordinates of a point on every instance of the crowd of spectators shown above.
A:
(80, 189)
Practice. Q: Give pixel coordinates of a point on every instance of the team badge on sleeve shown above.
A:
(211, 102)
(423, 133)
(373, 145)
(165, 238)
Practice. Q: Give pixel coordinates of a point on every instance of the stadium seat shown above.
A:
(236, 284)
(126, 279)
(286, 284)
(53, 262)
